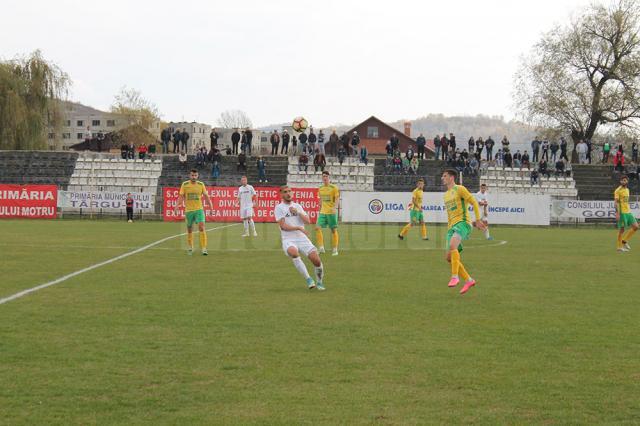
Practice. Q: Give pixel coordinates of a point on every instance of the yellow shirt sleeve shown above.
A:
(466, 195)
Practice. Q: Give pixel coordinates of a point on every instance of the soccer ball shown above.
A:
(300, 124)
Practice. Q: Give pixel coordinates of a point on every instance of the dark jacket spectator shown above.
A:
(303, 161)
(444, 143)
(437, 144)
(421, 142)
(242, 162)
(563, 149)
(235, 141)
(526, 160)
(452, 142)
(216, 158)
(489, 144)
(342, 153)
(554, 147)
(319, 161)
(248, 134)
(409, 154)
(213, 137)
(333, 144)
(165, 137)
(312, 139)
(124, 151)
(472, 144)
(303, 138)
(275, 142)
(184, 139)
(261, 165)
(177, 138)
(285, 143)
(395, 142)
(364, 152)
(535, 148)
(508, 159)
(543, 168)
(355, 141)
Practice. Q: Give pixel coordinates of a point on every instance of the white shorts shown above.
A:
(304, 245)
(246, 212)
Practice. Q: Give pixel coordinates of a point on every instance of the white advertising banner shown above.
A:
(105, 201)
(576, 209)
(508, 209)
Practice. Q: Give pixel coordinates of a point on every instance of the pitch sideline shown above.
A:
(98, 265)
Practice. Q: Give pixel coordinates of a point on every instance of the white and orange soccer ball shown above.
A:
(300, 124)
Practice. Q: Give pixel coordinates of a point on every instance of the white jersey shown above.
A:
(282, 211)
(246, 194)
(483, 198)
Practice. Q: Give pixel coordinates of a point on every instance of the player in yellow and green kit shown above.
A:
(329, 199)
(625, 219)
(457, 200)
(191, 194)
(416, 216)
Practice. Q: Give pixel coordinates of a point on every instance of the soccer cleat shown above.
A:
(425, 239)
(627, 246)
(334, 252)
(205, 252)
(189, 251)
(320, 249)
(622, 249)
(310, 284)
(255, 234)
(320, 286)
(489, 238)
(401, 237)
(470, 283)
(454, 281)
(246, 234)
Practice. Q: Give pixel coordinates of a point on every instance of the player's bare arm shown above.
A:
(286, 227)
(179, 203)
(205, 195)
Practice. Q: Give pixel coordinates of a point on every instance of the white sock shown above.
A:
(246, 226)
(319, 273)
(299, 264)
(486, 233)
(252, 225)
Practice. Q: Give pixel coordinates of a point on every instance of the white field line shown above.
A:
(97, 265)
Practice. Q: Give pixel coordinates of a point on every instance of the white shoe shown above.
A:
(334, 252)
(627, 246)
(255, 234)
(130, 221)
(205, 252)
(623, 249)
(320, 249)
(190, 251)
(246, 234)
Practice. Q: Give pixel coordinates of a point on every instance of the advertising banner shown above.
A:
(576, 209)
(105, 201)
(511, 209)
(226, 207)
(28, 201)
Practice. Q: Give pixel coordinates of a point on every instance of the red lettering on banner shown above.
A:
(28, 201)
(227, 208)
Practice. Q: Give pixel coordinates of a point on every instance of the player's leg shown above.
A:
(487, 235)
(314, 257)
(320, 223)
(405, 230)
(294, 254)
(245, 223)
(190, 239)
(423, 230)
(453, 257)
(619, 243)
(335, 237)
(633, 227)
(202, 233)
(252, 224)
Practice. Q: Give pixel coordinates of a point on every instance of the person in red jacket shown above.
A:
(129, 202)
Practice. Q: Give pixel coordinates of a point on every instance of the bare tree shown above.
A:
(584, 74)
(236, 118)
(137, 110)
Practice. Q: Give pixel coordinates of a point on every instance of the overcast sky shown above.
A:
(332, 61)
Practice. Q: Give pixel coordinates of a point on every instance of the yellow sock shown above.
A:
(319, 238)
(423, 231)
(619, 240)
(190, 239)
(455, 262)
(405, 229)
(203, 240)
(628, 235)
(464, 275)
(335, 239)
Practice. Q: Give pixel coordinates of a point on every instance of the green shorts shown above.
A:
(461, 228)
(195, 216)
(416, 216)
(330, 220)
(626, 220)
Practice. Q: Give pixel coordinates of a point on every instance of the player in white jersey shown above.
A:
(292, 218)
(247, 197)
(483, 202)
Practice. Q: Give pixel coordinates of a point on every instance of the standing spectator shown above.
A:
(444, 144)
(606, 149)
(437, 144)
(499, 158)
(319, 161)
(124, 149)
(182, 158)
(242, 162)
(588, 143)
(312, 140)
(472, 144)
(489, 144)
(262, 169)
(535, 148)
(581, 149)
(421, 142)
(554, 150)
(452, 142)
(480, 144)
(333, 143)
(525, 160)
(235, 141)
(216, 158)
(213, 137)
(243, 141)
(342, 153)
(303, 161)
(142, 151)
(88, 136)
(294, 145)
(388, 149)
(100, 139)
(395, 142)
(165, 137)
(249, 137)
(507, 158)
(505, 143)
(321, 142)
(129, 204)
(634, 152)
(355, 141)
(285, 142)
(559, 168)
(177, 136)
(131, 151)
(545, 150)
(344, 141)
(184, 139)
(618, 160)
(364, 152)
(563, 149)
(303, 142)
(275, 142)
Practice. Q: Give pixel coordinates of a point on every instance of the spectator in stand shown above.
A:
(525, 160)
(312, 140)
(409, 154)
(261, 165)
(100, 139)
(364, 152)
(275, 142)
(285, 142)
(344, 141)
(534, 177)
(581, 149)
(559, 168)
(634, 152)
(395, 142)
(474, 166)
(321, 142)
(216, 158)
(165, 137)
(303, 138)
(294, 145)
(545, 150)
(505, 143)
(606, 149)
(342, 153)
(414, 165)
(131, 151)
(129, 207)
(184, 139)
(388, 148)
(201, 157)
(508, 159)
(589, 146)
(543, 168)
(88, 137)
(406, 165)
(472, 144)
(499, 158)
(618, 160)
(535, 148)
(464, 154)
(319, 161)
(459, 164)
(517, 159)
(142, 151)
(124, 150)
(213, 137)
(421, 142)
(444, 144)
(452, 142)
(397, 162)
(355, 141)
(334, 140)
(489, 144)
(554, 147)
(437, 144)
(177, 137)
(303, 161)
(249, 136)
(243, 141)
(479, 147)
(563, 149)
(235, 141)
(182, 158)
(242, 162)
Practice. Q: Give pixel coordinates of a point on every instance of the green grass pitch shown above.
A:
(549, 334)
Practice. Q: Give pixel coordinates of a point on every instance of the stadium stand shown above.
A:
(386, 180)
(350, 176)
(598, 181)
(37, 167)
(513, 180)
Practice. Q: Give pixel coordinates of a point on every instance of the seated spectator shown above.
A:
(525, 160)
(303, 161)
(459, 164)
(242, 162)
(228, 151)
(397, 164)
(363, 155)
(507, 159)
(406, 165)
(473, 165)
(342, 154)
(319, 161)
(388, 149)
(142, 151)
(464, 154)
(560, 168)
(262, 169)
(409, 153)
(499, 158)
(535, 177)
(131, 151)
(414, 165)
(543, 168)
(200, 157)
(216, 158)
(124, 151)
(182, 158)
(517, 160)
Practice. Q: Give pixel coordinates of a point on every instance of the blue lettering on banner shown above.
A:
(393, 206)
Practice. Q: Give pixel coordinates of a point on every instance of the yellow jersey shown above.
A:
(416, 199)
(192, 193)
(457, 201)
(621, 197)
(329, 195)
